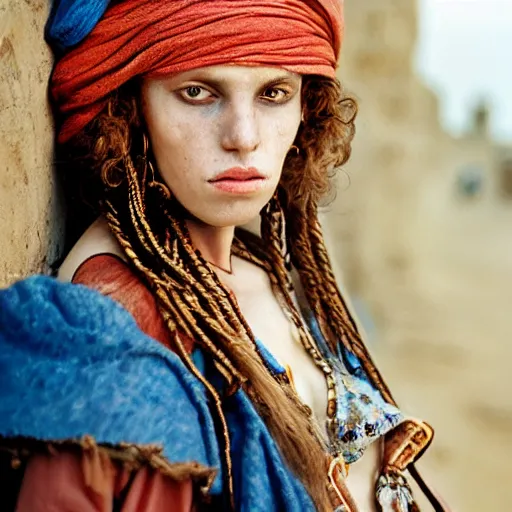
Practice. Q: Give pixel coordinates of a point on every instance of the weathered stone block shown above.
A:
(31, 220)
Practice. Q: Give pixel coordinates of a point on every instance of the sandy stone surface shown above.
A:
(444, 346)
(30, 216)
(428, 272)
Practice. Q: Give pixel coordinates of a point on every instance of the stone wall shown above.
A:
(394, 156)
(427, 266)
(31, 223)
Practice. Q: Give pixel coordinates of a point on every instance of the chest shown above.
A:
(272, 328)
(276, 332)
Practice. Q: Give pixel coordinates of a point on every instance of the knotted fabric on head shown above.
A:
(157, 38)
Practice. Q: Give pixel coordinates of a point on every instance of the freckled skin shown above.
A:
(208, 120)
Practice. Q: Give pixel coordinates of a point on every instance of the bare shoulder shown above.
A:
(97, 239)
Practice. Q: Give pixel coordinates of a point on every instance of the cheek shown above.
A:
(289, 121)
(181, 159)
(167, 147)
(166, 132)
(284, 132)
(173, 138)
(170, 142)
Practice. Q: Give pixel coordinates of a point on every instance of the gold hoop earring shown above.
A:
(296, 149)
(146, 161)
(152, 182)
(145, 144)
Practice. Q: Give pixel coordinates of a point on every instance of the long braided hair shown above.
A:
(150, 227)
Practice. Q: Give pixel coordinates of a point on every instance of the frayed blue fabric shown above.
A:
(70, 21)
(74, 363)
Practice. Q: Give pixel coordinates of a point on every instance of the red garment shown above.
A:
(112, 277)
(57, 483)
(156, 38)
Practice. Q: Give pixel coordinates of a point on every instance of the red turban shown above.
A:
(155, 38)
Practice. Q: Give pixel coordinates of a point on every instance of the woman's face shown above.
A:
(220, 136)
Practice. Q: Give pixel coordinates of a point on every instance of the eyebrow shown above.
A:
(219, 83)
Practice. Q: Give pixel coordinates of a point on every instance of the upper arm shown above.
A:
(97, 239)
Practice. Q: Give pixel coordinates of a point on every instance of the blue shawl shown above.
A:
(74, 363)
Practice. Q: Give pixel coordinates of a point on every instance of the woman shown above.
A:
(189, 118)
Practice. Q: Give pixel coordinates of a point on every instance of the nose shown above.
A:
(240, 129)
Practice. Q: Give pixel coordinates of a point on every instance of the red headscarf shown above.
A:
(156, 38)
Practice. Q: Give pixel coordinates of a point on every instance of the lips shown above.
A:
(238, 174)
(239, 180)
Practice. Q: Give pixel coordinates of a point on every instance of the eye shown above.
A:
(275, 94)
(195, 93)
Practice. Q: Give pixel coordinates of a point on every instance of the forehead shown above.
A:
(241, 75)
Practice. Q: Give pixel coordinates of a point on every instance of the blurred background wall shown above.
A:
(421, 230)
(31, 220)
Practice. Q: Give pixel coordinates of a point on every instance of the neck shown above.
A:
(213, 243)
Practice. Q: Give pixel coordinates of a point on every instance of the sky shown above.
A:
(465, 54)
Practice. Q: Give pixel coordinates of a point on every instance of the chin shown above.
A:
(231, 221)
(230, 217)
